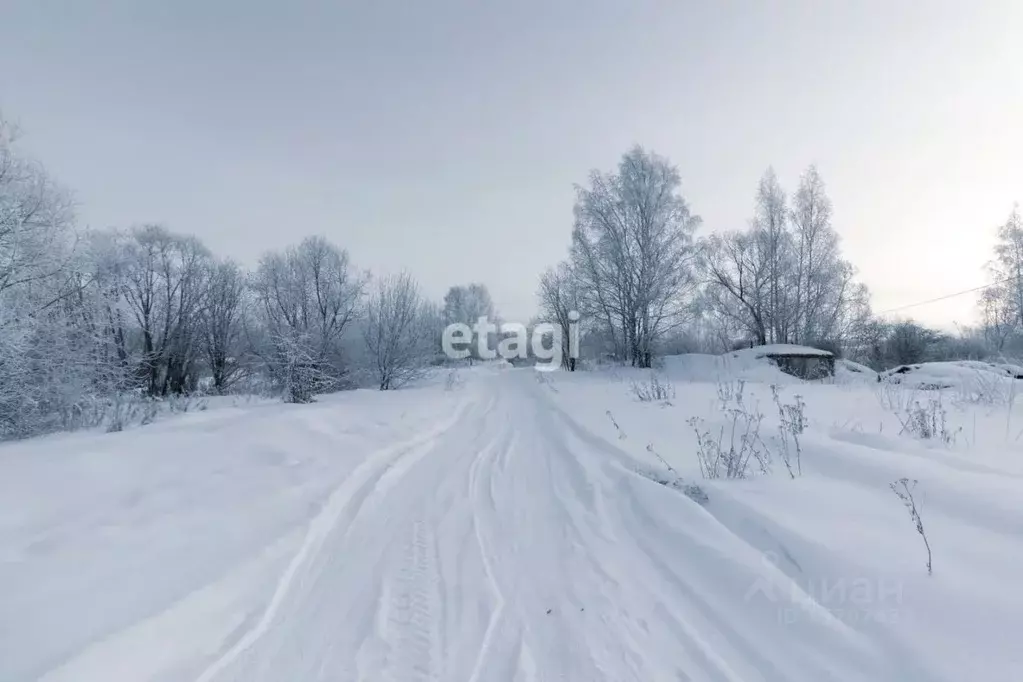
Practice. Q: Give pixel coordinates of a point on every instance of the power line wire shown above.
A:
(945, 297)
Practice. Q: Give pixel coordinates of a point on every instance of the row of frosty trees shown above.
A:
(643, 279)
(90, 319)
(646, 283)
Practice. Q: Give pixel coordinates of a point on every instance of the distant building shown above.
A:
(799, 361)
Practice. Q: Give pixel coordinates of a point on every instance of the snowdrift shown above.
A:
(967, 376)
(517, 525)
(847, 371)
(749, 364)
(837, 531)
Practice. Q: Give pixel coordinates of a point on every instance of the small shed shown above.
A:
(799, 361)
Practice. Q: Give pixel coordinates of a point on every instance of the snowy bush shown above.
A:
(544, 379)
(654, 389)
(184, 404)
(298, 369)
(399, 332)
(691, 490)
(621, 434)
(453, 380)
(928, 421)
(730, 392)
(729, 453)
(987, 385)
(903, 489)
(792, 423)
(894, 397)
(921, 414)
(127, 410)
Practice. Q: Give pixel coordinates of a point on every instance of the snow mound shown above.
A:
(743, 364)
(969, 375)
(786, 349)
(849, 372)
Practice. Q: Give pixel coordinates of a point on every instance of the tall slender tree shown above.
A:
(634, 253)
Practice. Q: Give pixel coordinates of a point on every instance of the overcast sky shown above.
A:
(445, 137)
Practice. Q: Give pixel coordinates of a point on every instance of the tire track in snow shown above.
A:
(481, 497)
(718, 647)
(413, 612)
(578, 462)
(352, 492)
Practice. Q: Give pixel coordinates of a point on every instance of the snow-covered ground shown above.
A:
(506, 527)
(968, 375)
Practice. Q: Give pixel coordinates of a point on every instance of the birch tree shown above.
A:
(559, 299)
(222, 323)
(165, 288)
(399, 332)
(784, 280)
(36, 218)
(633, 250)
(774, 248)
(1002, 301)
(823, 280)
(307, 297)
(739, 282)
(465, 304)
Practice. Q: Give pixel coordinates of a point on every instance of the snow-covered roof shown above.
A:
(776, 349)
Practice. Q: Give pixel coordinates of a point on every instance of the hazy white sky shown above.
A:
(445, 137)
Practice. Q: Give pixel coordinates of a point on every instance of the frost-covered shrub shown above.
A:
(453, 380)
(730, 393)
(921, 413)
(990, 388)
(53, 376)
(126, 410)
(791, 424)
(730, 452)
(618, 429)
(670, 478)
(903, 489)
(654, 389)
(928, 421)
(182, 404)
(691, 490)
(738, 442)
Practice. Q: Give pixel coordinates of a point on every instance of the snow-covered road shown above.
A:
(491, 538)
(505, 544)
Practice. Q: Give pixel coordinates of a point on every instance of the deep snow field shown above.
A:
(521, 525)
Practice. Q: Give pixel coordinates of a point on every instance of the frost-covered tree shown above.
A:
(784, 280)
(222, 323)
(465, 304)
(166, 288)
(36, 218)
(633, 252)
(825, 293)
(1002, 301)
(51, 357)
(738, 286)
(306, 298)
(773, 247)
(92, 321)
(998, 318)
(559, 298)
(907, 343)
(399, 332)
